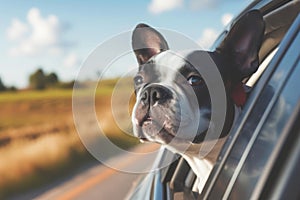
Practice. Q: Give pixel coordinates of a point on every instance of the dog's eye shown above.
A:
(195, 80)
(138, 80)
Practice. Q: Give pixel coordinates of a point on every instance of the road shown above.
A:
(96, 181)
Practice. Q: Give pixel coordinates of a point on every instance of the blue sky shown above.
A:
(59, 35)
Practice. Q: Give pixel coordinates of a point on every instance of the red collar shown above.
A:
(238, 95)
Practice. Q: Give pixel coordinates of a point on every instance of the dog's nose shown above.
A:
(151, 96)
(155, 94)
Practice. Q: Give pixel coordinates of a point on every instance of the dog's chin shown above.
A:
(165, 133)
(152, 131)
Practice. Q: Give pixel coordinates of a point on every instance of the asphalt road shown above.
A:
(96, 181)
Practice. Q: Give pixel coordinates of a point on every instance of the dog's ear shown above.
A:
(241, 45)
(147, 42)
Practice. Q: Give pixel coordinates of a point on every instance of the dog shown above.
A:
(164, 112)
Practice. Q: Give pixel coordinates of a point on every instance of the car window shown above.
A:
(255, 159)
(246, 154)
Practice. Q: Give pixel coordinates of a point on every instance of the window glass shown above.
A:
(268, 94)
(272, 130)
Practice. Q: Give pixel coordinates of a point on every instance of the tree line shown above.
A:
(39, 80)
(5, 88)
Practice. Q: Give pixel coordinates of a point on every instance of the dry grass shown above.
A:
(37, 162)
(38, 139)
(35, 156)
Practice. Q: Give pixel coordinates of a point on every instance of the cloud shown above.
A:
(209, 35)
(17, 30)
(226, 18)
(207, 38)
(205, 4)
(37, 35)
(159, 6)
(71, 60)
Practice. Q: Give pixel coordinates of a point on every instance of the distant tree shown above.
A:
(12, 88)
(51, 79)
(37, 80)
(2, 86)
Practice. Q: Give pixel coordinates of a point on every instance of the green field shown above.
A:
(38, 139)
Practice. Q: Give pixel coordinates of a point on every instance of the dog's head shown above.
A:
(166, 82)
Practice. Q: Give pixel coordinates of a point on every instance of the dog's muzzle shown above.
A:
(155, 113)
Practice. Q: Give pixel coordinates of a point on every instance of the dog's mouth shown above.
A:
(152, 130)
(164, 129)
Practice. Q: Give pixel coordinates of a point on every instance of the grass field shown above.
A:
(38, 139)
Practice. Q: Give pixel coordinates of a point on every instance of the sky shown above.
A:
(58, 36)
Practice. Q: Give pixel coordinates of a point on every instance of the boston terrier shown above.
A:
(164, 112)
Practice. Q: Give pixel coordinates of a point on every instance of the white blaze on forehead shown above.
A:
(168, 64)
